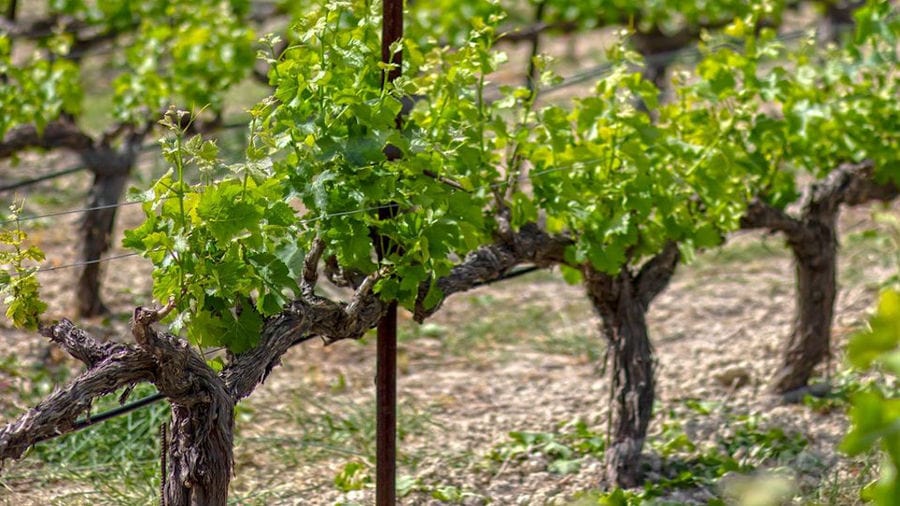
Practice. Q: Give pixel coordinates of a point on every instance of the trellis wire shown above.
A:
(88, 262)
(665, 58)
(146, 148)
(305, 221)
(46, 177)
(73, 211)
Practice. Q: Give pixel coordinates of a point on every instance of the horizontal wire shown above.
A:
(88, 262)
(302, 222)
(46, 177)
(146, 148)
(135, 202)
(72, 211)
(690, 53)
(338, 214)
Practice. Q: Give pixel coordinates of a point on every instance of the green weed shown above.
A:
(353, 476)
(843, 385)
(564, 450)
(126, 447)
(744, 447)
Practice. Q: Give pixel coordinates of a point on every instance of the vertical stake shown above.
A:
(386, 410)
(386, 369)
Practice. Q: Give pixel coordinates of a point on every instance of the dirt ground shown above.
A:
(523, 355)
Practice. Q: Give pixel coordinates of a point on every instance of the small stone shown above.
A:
(734, 377)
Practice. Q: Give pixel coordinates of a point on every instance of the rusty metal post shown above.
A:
(386, 410)
(386, 369)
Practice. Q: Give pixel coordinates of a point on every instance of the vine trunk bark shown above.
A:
(622, 301)
(200, 443)
(111, 169)
(199, 440)
(815, 266)
(199, 450)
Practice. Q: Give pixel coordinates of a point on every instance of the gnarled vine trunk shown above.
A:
(111, 169)
(199, 446)
(814, 249)
(622, 301)
(812, 238)
(199, 450)
(632, 380)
